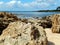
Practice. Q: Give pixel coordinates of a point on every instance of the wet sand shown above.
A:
(53, 38)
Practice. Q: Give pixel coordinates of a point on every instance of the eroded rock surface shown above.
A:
(5, 19)
(45, 22)
(19, 33)
(56, 24)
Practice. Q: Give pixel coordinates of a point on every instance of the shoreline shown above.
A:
(35, 11)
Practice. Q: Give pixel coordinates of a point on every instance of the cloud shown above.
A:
(40, 4)
(36, 4)
(19, 3)
(1, 3)
(26, 5)
(11, 3)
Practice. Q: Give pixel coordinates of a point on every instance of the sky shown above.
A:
(28, 5)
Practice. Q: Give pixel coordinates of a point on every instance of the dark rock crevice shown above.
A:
(35, 33)
(46, 22)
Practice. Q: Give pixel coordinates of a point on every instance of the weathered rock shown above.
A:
(24, 20)
(56, 24)
(19, 33)
(45, 22)
(5, 19)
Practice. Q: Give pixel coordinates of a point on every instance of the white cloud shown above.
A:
(26, 5)
(19, 4)
(1, 3)
(43, 5)
(11, 3)
(34, 4)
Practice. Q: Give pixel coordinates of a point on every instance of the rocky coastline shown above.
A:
(16, 31)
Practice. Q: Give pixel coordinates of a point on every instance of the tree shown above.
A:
(58, 8)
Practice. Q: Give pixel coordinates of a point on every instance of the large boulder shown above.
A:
(19, 33)
(5, 19)
(56, 24)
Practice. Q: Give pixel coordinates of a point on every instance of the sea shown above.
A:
(20, 14)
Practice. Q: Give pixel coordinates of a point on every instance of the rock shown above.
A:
(45, 22)
(24, 20)
(56, 24)
(5, 19)
(19, 33)
(34, 21)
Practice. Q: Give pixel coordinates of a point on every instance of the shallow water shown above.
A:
(33, 14)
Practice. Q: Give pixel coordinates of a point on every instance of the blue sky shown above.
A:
(28, 5)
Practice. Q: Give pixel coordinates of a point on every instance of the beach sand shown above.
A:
(53, 38)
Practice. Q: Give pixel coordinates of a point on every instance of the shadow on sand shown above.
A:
(50, 43)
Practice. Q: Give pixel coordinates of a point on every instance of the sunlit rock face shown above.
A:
(19, 33)
(56, 24)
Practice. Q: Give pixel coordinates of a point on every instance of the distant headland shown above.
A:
(57, 10)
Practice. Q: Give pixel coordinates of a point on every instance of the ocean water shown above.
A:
(33, 14)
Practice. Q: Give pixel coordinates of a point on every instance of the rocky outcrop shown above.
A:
(5, 19)
(24, 20)
(19, 33)
(56, 24)
(45, 22)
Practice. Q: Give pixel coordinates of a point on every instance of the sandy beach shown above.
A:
(53, 38)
